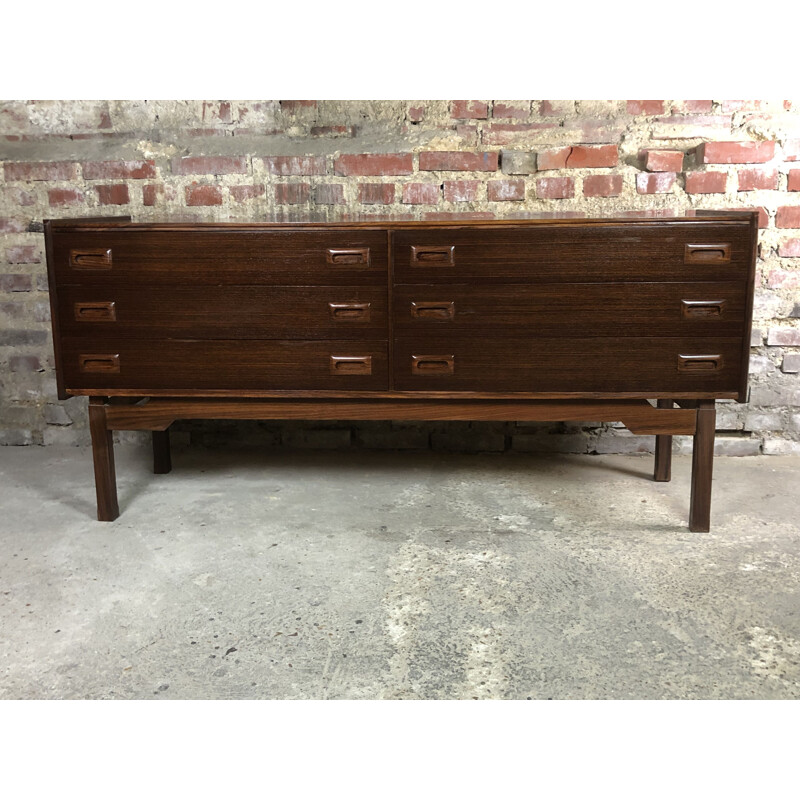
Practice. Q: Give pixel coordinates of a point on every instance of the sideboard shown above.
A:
(643, 321)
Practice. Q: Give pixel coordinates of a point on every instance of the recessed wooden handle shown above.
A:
(102, 362)
(350, 312)
(351, 365)
(90, 258)
(438, 256)
(702, 363)
(358, 257)
(96, 312)
(707, 253)
(432, 310)
(432, 365)
(701, 308)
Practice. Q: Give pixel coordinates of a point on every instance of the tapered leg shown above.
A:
(162, 462)
(663, 465)
(105, 478)
(702, 466)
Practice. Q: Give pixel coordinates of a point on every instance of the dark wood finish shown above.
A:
(663, 461)
(162, 459)
(105, 478)
(91, 258)
(714, 253)
(101, 311)
(702, 468)
(103, 363)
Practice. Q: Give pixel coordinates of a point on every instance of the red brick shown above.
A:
(425, 194)
(509, 133)
(456, 215)
(789, 248)
(113, 195)
(292, 193)
(793, 184)
(735, 152)
(692, 107)
(786, 337)
(247, 192)
(655, 182)
(788, 217)
(23, 254)
(649, 107)
(119, 170)
(753, 179)
(196, 133)
(499, 191)
(63, 197)
(15, 283)
(783, 279)
(199, 195)
(24, 364)
(209, 165)
(295, 165)
(791, 150)
(329, 194)
(649, 213)
(511, 110)
(763, 217)
(469, 109)
(555, 188)
(578, 157)
(416, 113)
(662, 160)
(376, 193)
(8, 225)
(225, 112)
(19, 196)
(455, 161)
(556, 108)
(333, 130)
(706, 182)
(295, 106)
(602, 185)
(41, 171)
(374, 164)
(461, 191)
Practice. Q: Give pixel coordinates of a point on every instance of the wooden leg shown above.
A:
(162, 463)
(663, 465)
(702, 466)
(105, 478)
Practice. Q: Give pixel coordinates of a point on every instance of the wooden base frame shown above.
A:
(696, 418)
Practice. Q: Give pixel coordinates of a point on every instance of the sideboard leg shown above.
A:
(105, 478)
(162, 462)
(663, 465)
(702, 467)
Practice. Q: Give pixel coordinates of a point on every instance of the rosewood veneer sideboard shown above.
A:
(641, 321)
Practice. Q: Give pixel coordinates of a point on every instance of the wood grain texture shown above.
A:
(662, 470)
(105, 479)
(702, 468)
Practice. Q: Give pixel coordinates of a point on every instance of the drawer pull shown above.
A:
(96, 312)
(699, 363)
(701, 308)
(432, 365)
(347, 258)
(90, 258)
(432, 310)
(99, 363)
(350, 312)
(422, 256)
(351, 365)
(707, 254)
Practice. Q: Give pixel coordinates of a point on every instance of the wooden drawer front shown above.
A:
(230, 312)
(659, 366)
(213, 257)
(108, 363)
(666, 251)
(574, 309)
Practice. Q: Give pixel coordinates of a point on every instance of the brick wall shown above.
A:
(327, 160)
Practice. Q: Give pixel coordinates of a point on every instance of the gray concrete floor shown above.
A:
(294, 574)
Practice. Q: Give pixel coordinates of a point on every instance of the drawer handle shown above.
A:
(351, 365)
(422, 256)
(90, 258)
(701, 308)
(432, 365)
(707, 254)
(350, 312)
(99, 363)
(96, 312)
(347, 258)
(432, 310)
(699, 363)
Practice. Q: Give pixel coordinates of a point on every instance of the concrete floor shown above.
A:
(294, 574)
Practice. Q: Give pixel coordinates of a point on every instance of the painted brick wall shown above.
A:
(250, 160)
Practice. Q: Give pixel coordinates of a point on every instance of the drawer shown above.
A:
(191, 257)
(572, 309)
(664, 251)
(652, 365)
(110, 363)
(229, 312)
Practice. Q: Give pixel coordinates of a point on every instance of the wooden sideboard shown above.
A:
(517, 320)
